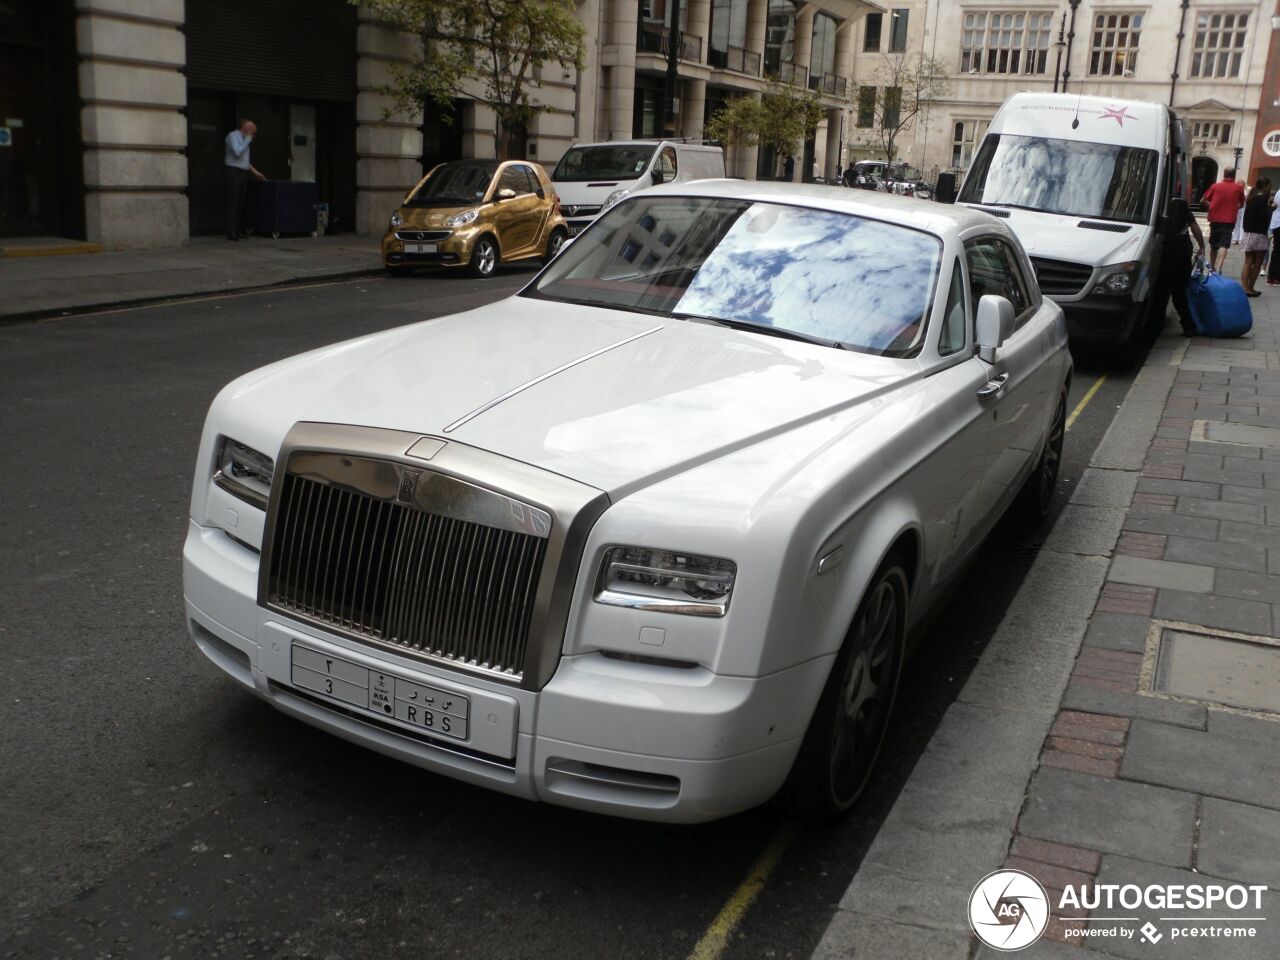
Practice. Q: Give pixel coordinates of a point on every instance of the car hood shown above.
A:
(590, 193)
(433, 217)
(620, 400)
(1058, 237)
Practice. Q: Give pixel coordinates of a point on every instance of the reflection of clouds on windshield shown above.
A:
(827, 274)
(1071, 177)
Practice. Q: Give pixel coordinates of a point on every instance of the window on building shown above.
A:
(1211, 131)
(728, 24)
(892, 107)
(965, 137)
(1271, 144)
(898, 31)
(1010, 43)
(1219, 44)
(1115, 44)
(871, 39)
(866, 106)
(780, 36)
(822, 54)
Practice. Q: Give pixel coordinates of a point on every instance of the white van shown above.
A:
(592, 177)
(1085, 183)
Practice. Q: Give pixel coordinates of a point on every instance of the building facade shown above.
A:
(114, 111)
(1205, 58)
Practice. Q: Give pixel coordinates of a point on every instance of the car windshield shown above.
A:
(608, 161)
(792, 271)
(454, 183)
(1072, 177)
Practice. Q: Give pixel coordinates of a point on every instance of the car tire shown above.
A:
(848, 725)
(554, 243)
(484, 258)
(1035, 500)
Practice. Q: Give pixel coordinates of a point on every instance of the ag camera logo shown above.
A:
(1008, 910)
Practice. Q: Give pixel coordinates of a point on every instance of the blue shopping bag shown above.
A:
(1219, 306)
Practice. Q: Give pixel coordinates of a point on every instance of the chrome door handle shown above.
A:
(994, 387)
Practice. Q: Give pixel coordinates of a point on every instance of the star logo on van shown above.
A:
(1118, 114)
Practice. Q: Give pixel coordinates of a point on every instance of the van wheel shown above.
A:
(849, 724)
(484, 258)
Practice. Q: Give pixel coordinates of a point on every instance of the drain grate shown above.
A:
(1230, 671)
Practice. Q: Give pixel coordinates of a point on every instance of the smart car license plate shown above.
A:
(419, 248)
(428, 708)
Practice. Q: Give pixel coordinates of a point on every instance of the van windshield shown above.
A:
(1071, 177)
(605, 161)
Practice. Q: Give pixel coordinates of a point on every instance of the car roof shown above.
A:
(942, 219)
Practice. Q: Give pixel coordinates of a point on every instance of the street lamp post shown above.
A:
(675, 40)
(1058, 45)
(1071, 36)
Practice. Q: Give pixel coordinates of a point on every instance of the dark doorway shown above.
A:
(806, 172)
(1204, 171)
(441, 133)
(41, 160)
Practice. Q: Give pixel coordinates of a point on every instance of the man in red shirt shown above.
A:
(1224, 200)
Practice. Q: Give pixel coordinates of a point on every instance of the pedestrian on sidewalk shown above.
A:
(1257, 217)
(1175, 265)
(1273, 229)
(238, 170)
(1224, 200)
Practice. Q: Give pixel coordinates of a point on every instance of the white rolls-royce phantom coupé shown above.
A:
(648, 537)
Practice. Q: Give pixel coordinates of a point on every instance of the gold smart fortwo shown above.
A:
(475, 214)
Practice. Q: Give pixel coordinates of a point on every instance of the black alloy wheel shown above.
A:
(484, 258)
(848, 727)
(1038, 493)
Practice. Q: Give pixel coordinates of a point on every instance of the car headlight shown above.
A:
(613, 198)
(1117, 279)
(665, 581)
(396, 219)
(244, 472)
(462, 219)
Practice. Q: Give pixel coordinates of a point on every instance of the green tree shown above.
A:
(485, 50)
(782, 118)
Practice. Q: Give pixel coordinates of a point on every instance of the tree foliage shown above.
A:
(905, 86)
(486, 50)
(782, 118)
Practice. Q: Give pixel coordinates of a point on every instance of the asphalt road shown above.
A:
(151, 809)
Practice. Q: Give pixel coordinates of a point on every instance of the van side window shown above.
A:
(994, 269)
(954, 323)
(666, 164)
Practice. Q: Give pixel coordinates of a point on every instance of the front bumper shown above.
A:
(1106, 320)
(451, 251)
(628, 739)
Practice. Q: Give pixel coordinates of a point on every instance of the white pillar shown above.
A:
(622, 74)
(388, 152)
(131, 122)
(693, 107)
(831, 166)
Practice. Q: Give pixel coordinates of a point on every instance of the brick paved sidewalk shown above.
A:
(1138, 786)
(1074, 752)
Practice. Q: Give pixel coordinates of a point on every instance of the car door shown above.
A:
(1016, 391)
(518, 220)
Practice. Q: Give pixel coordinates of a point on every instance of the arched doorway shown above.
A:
(1204, 171)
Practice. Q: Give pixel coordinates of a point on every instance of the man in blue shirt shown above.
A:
(238, 167)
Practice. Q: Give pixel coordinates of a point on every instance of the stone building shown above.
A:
(114, 111)
(1205, 58)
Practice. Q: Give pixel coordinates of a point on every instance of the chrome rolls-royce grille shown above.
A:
(415, 560)
(1061, 277)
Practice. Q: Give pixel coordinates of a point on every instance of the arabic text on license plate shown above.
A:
(420, 248)
(428, 708)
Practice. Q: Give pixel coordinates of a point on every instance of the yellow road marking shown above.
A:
(1084, 401)
(713, 942)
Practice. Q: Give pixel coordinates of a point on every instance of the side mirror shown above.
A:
(506, 193)
(995, 324)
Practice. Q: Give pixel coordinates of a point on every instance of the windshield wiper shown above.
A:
(761, 328)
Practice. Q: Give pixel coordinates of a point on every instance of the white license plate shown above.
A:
(425, 707)
(576, 228)
(419, 248)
